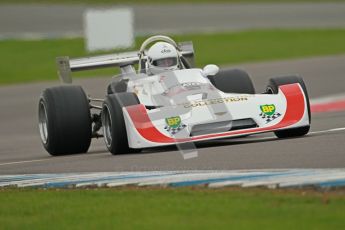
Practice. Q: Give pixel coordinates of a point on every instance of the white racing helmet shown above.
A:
(162, 56)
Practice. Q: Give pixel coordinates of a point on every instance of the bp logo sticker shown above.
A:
(174, 125)
(173, 122)
(268, 112)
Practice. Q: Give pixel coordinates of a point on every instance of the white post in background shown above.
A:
(109, 29)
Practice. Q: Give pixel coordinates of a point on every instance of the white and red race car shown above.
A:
(173, 107)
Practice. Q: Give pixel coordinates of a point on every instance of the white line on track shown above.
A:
(328, 131)
(264, 138)
(22, 162)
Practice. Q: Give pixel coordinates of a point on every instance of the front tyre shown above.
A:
(273, 88)
(233, 81)
(113, 123)
(64, 120)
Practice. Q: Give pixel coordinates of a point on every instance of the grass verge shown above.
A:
(27, 61)
(187, 208)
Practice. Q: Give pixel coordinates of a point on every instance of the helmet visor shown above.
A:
(165, 62)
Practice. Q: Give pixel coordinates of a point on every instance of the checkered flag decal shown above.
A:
(173, 131)
(269, 118)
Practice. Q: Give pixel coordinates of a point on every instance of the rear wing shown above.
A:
(66, 65)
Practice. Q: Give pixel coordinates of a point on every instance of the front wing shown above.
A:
(142, 131)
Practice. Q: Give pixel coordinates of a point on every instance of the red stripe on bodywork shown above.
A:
(294, 113)
(143, 124)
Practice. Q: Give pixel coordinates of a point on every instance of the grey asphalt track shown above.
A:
(61, 21)
(22, 152)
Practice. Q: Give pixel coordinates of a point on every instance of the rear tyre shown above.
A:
(113, 123)
(233, 81)
(273, 87)
(64, 120)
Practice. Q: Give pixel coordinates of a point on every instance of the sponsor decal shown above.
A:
(173, 122)
(191, 85)
(164, 51)
(174, 125)
(215, 101)
(268, 109)
(268, 112)
(183, 87)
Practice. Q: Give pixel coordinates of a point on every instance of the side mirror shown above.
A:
(210, 70)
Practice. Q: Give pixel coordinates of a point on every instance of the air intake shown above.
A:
(223, 126)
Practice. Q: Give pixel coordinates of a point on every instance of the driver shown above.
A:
(162, 56)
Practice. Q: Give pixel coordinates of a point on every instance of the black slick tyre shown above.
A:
(233, 81)
(64, 120)
(273, 87)
(113, 124)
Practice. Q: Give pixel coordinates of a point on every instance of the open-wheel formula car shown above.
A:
(166, 101)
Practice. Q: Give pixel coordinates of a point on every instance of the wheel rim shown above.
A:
(106, 122)
(43, 122)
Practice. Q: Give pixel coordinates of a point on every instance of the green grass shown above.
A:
(155, 1)
(130, 208)
(27, 61)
